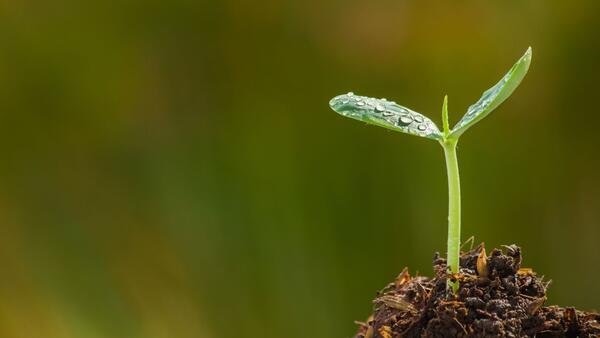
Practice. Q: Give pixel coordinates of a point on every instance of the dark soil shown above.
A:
(496, 298)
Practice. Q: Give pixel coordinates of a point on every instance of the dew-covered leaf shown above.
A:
(384, 113)
(494, 96)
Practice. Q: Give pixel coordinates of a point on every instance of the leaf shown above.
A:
(384, 113)
(494, 96)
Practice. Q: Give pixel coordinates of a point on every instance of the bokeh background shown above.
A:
(172, 169)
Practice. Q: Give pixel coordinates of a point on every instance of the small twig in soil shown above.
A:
(534, 306)
(482, 268)
(471, 241)
(402, 278)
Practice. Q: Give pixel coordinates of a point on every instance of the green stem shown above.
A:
(453, 256)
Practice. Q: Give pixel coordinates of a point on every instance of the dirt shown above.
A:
(496, 298)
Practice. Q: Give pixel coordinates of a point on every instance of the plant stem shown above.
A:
(453, 255)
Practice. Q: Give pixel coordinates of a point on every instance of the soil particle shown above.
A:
(496, 298)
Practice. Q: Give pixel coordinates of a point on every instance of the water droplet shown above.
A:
(387, 113)
(379, 108)
(360, 103)
(422, 127)
(418, 118)
(350, 94)
(404, 120)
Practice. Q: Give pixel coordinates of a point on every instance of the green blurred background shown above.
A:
(172, 169)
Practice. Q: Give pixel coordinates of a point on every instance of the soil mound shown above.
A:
(496, 298)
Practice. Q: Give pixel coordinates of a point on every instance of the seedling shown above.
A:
(390, 115)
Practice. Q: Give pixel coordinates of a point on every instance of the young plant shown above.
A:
(390, 115)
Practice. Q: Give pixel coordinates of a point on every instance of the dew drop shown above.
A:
(379, 108)
(422, 127)
(404, 120)
(360, 103)
(418, 118)
(350, 94)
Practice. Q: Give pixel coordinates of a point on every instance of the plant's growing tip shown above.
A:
(390, 115)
